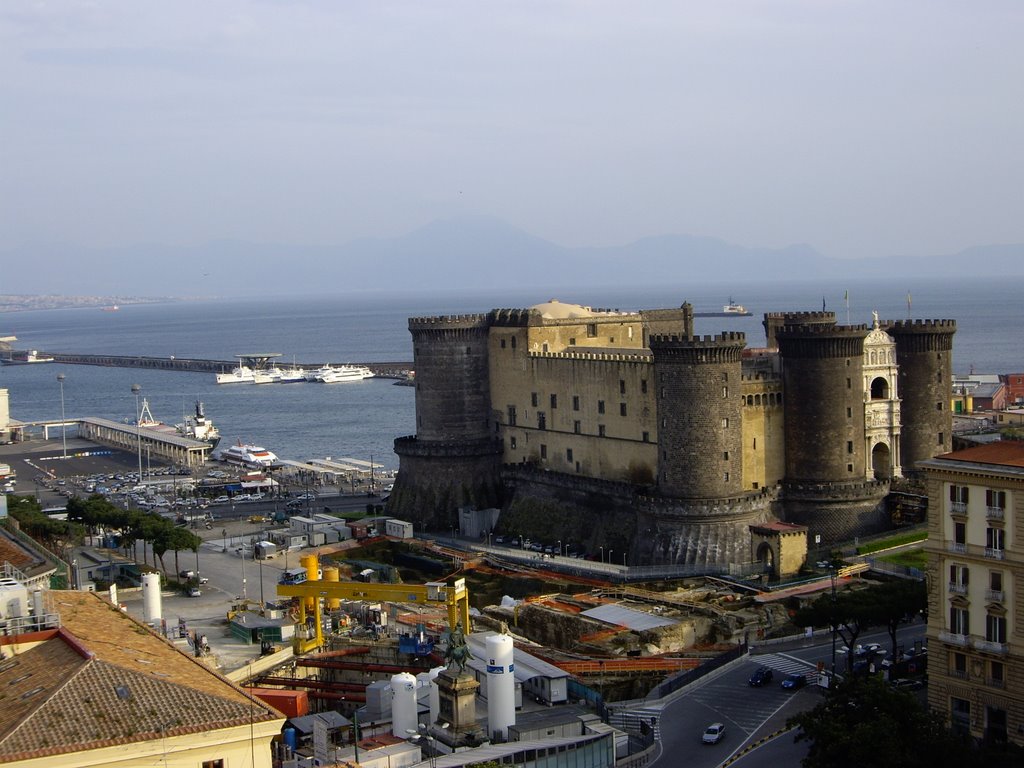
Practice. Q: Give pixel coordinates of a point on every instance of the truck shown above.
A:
(265, 550)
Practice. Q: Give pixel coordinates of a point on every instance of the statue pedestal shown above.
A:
(457, 706)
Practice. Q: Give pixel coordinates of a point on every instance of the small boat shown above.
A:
(27, 358)
(111, 308)
(243, 374)
(732, 309)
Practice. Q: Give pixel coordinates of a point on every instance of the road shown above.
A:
(750, 714)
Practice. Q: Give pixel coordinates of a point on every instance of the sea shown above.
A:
(361, 419)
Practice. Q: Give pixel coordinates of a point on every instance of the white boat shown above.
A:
(243, 374)
(197, 427)
(732, 308)
(248, 455)
(336, 374)
(32, 356)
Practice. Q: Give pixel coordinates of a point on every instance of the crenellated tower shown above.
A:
(699, 401)
(454, 458)
(924, 354)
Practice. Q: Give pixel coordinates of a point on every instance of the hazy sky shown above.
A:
(862, 128)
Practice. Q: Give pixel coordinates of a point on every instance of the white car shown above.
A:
(713, 733)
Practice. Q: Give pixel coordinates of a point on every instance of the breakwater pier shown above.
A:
(397, 370)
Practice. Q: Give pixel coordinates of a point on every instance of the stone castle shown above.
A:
(627, 432)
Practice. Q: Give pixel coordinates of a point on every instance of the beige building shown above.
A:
(976, 589)
(97, 688)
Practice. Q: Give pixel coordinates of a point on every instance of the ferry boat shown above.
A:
(334, 374)
(248, 455)
(243, 374)
(732, 309)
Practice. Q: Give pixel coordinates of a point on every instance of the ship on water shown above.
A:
(196, 427)
(26, 358)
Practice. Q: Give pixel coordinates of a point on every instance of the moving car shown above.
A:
(761, 676)
(794, 682)
(713, 733)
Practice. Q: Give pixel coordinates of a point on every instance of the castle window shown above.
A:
(533, 399)
(511, 415)
(543, 451)
(591, 330)
(643, 386)
(938, 377)
(600, 406)
(572, 341)
(600, 430)
(629, 331)
(725, 393)
(622, 386)
(622, 409)
(725, 477)
(849, 467)
(849, 413)
(755, 444)
(542, 420)
(938, 406)
(646, 437)
(575, 427)
(725, 376)
(568, 455)
(725, 455)
(575, 402)
(849, 383)
(725, 423)
(942, 439)
(849, 446)
(544, 347)
(513, 342)
(512, 443)
(502, 343)
(754, 486)
(554, 402)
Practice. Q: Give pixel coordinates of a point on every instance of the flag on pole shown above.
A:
(846, 295)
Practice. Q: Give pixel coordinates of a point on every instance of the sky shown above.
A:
(861, 128)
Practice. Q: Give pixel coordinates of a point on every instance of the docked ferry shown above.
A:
(248, 455)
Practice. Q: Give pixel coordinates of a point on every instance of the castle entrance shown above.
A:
(881, 461)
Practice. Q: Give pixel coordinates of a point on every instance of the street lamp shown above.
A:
(610, 556)
(832, 577)
(138, 425)
(602, 553)
(559, 547)
(63, 426)
(241, 551)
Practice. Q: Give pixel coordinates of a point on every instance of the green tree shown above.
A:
(848, 613)
(899, 602)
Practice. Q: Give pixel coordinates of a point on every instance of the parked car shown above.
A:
(713, 734)
(194, 592)
(907, 684)
(761, 676)
(186, 574)
(794, 682)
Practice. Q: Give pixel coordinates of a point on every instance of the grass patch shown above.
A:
(912, 558)
(893, 541)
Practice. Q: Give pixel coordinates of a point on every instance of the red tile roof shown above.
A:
(1008, 453)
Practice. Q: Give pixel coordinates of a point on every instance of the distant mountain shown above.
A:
(470, 253)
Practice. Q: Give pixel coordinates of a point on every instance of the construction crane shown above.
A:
(314, 591)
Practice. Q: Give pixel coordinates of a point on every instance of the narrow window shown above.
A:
(513, 342)
(622, 409)
(600, 406)
(554, 402)
(849, 446)
(725, 455)
(568, 455)
(502, 343)
(575, 402)
(543, 451)
(643, 386)
(512, 443)
(576, 427)
(533, 399)
(542, 420)
(572, 341)
(600, 430)
(511, 415)
(622, 386)
(725, 423)
(646, 437)
(849, 413)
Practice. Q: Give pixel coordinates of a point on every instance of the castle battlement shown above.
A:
(802, 317)
(920, 326)
(640, 356)
(727, 338)
(449, 322)
(822, 330)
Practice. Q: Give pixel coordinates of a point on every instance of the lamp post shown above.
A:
(610, 556)
(602, 553)
(63, 425)
(241, 551)
(138, 425)
(832, 577)
(559, 547)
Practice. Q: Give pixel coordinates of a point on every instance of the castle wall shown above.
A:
(699, 407)
(764, 432)
(924, 354)
(583, 413)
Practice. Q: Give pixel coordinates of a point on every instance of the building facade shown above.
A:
(628, 430)
(976, 599)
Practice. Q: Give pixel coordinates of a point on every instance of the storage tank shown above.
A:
(151, 607)
(428, 686)
(331, 573)
(403, 705)
(501, 687)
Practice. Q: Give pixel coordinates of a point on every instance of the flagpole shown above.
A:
(846, 298)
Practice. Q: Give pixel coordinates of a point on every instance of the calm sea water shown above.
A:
(361, 420)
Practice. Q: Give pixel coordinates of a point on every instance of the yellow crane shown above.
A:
(314, 591)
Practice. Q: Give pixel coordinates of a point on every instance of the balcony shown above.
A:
(957, 548)
(990, 647)
(951, 638)
(994, 595)
(958, 507)
(995, 554)
(957, 589)
(995, 513)
(994, 682)
(959, 674)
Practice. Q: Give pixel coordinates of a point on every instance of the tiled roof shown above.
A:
(1008, 453)
(106, 679)
(14, 554)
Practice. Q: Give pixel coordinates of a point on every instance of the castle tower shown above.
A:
(822, 371)
(699, 401)
(924, 354)
(454, 459)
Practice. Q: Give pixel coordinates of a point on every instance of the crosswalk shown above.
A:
(630, 719)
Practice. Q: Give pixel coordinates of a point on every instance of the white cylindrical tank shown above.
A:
(403, 705)
(38, 606)
(501, 686)
(151, 608)
(427, 689)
